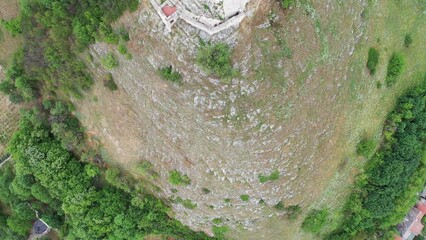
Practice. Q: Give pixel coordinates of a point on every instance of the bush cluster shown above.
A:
(167, 73)
(373, 60)
(315, 221)
(395, 68)
(286, 3)
(216, 59)
(366, 148)
(177, 178)
(109, 61)
(271, 177)
(388, 188)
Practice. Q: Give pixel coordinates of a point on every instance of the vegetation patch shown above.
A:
(167, 73)
(388, 187)
(109, 61)
(206, 190)
(216, 59)
(187, 203)
(315, 221)
(271, 177)
(366, 148)
(373, 60)
(109, 83)
(146, 169)
(408, 40)
(286, 3)
(220, 231)
(177, 178)
(245, 197)
(67, 194)
(395, 68)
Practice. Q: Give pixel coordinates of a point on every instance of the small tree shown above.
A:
(215, 59)
(408, 40)
(245, 197)
(177, 178)
(109, 61)
(167, 73)
(109, 83)
(286, 3)
(366, 148)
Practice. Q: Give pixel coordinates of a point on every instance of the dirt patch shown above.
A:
(8, 44)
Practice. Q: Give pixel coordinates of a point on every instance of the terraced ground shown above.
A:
(9, 113)
(303, 101)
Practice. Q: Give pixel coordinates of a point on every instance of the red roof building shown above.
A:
(412, 225)
(169, 10)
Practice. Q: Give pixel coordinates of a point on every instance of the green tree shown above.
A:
(216, 59)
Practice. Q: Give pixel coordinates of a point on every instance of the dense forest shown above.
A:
(53, 171)
(388, 187)
(72, 196)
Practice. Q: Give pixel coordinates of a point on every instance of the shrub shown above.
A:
(279, 206)
(245, 197)
(408, 40)
(13, 26)
(395, 68)
(217, 221)
(167, 73)
(124, 34)
(215, 59)
(366, 148)
(271, 177)
(187, 203)
(109, 61)
(109, 83)
(91, 170)
(206, 190)
(219, 232)
(145, 168)
(373, 60)
(122, 49)
(293, 211)
(315, 221)
(176, 178)
(286, 3)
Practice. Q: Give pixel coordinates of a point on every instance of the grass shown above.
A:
(177, 178)
(271, 177)
(366, 148)
(315, 221)
(245, 198)
(219, 231)
(408, 40)
(373, 60)
(109, 61)
(146, 169)
(187, 203)
(216, 59)
(109, 83)
(167, 73)
(395, 68)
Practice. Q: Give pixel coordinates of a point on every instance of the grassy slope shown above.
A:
(389, 21)
(366, 105)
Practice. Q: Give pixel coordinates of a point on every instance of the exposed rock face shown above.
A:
(224, 135)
